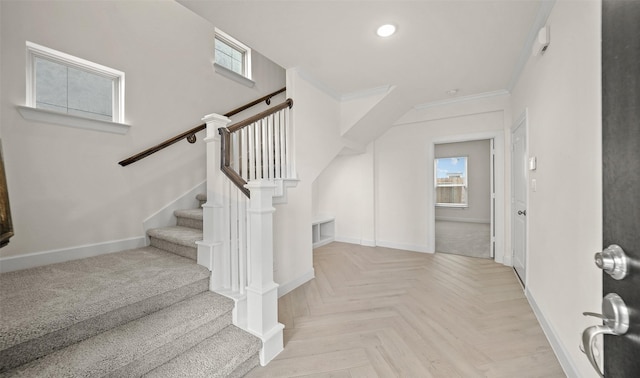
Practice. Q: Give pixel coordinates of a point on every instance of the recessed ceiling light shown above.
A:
(386, 30)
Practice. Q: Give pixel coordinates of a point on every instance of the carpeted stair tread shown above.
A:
(189, 218)
(185, 236)
(202, 197)
(195, 214)
(221, 355)
(138, 346)
(49, 307)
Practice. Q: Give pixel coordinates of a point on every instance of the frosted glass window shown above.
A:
(73, 91)
(232, 54)
(63, 83)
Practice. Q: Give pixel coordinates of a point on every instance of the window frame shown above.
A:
(246, 76)
(464, 185)
(37, 51)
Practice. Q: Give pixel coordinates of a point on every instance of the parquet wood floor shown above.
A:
(378, 312)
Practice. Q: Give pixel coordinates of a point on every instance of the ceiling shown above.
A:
(474, 46)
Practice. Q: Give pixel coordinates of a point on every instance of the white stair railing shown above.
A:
(237, 245)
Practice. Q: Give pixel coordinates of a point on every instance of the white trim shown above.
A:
(564, 357)
(364, 242)
(343, 239)
(465, 220)
(288, 287)
(35, 50)
(404, 246)
(62, 119)
(318, 84)
(229, 74)
(457, 100)
(238, 46)
(365, 93)
(541, 19)
(499, 176)
(32, 260)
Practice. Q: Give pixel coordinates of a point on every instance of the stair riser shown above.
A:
(180, 250)
(167, 352)
(36, 348)
(188, 222)
(229, 353)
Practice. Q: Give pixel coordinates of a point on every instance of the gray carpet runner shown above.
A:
(141, 312)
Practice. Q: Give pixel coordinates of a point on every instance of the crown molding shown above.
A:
(456, 100)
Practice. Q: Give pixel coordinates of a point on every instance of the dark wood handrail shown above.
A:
(225, 162)
(242, 124)
(266, 99)
(191, 134)
(225, 144)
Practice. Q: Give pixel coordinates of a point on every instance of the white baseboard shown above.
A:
(293, 284)
(467, 220)
(364, 242)
(32, 260)
(561, 353)
(343, 239)
(404, 246)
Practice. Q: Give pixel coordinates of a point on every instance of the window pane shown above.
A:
(229, 57)
(51, 85)
(73, 91)
(451, 180)
(90, 94)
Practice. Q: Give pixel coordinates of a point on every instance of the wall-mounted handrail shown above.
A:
(190, 135)
(225, 143)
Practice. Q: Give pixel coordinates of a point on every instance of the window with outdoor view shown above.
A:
(232, 54)
(451, 181)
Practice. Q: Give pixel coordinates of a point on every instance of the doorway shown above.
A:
(464, 198)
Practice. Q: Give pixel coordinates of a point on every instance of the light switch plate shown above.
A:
(533, 163)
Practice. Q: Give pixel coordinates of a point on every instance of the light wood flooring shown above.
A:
(378, 312)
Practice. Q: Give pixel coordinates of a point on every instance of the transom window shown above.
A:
(451, 181)
(232, 54)
(64, 83)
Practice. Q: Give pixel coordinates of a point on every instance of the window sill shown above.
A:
(49, 116)
(453, 205)
(224, 71)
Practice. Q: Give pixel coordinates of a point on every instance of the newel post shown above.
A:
(210, 249)
(262, 292)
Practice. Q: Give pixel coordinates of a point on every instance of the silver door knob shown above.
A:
(613, 261)
(615, 316)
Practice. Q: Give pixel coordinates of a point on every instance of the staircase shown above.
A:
(142, 312)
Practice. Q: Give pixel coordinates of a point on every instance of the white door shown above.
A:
(519, 198)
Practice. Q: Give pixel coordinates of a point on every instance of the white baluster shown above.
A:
(276, 141)
(252, 152)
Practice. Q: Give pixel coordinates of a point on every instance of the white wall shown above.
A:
(478, 181)
(562, 92)
(66, 187)
(345, 190)
(316, 127)
(404, 176)
(385, 195)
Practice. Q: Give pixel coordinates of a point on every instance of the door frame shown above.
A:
(524, 120)
(498, 219)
